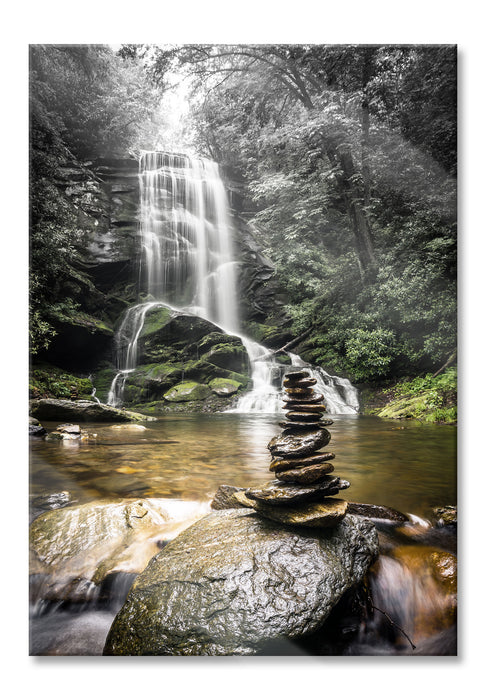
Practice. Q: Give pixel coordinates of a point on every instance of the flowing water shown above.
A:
(182, 459)
(188, 263)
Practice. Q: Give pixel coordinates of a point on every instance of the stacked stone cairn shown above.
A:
(301, 493)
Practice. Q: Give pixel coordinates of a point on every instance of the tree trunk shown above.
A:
(353, 198)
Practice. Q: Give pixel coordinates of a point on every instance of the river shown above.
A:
(408, 466)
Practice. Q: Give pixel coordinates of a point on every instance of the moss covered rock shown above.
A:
(179, 356)
(224, 387)
(82, 411)
(188, 391)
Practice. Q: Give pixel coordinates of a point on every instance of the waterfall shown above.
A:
(187, 263)
(186, 237)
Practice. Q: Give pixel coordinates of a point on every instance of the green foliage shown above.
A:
(428, 398)
(370, 353)
(47, 381)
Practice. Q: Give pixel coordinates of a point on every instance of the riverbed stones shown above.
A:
(300, 493)
(35, 428)
(235, 583)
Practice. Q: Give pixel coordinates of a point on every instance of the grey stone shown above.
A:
(226, 497)
(233, 581)
(312, 474)
(276, 493)
(299, 445)
(279, 465)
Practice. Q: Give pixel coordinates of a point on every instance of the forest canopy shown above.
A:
(345, 157)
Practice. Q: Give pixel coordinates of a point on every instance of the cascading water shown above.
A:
(127, 349)
(187, 263)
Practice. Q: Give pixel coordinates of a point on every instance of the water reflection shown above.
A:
(408, 466)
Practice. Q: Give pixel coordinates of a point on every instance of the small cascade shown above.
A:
(187, 263)
(126, 348)
(340, 396)
(266, 377)
(267, 392)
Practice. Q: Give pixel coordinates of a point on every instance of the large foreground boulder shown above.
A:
(233, 583)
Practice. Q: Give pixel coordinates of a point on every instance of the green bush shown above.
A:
(370, 353)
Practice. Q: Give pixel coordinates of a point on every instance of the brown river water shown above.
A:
(409, 466)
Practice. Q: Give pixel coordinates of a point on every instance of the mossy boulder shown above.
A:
(179, 356)
(229, 355)
(188, 391)
(169, 336)
(224, 387)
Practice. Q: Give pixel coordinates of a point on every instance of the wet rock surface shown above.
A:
(274, 492)
(75, 547)
(312, 474)
(233, 582)
(324, 514)
(293, 445)
(279, 465)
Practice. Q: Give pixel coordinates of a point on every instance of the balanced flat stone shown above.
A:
(290, 402)
(327, 513)
(307, 475)
(293, 426)
(297, 374)
(301, 445)
(298, 392)
(279, 465)
(301, 416)
(278, 494)
(300, 383)
(306, 408)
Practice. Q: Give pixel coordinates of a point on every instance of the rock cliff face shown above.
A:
(105, 195)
